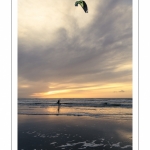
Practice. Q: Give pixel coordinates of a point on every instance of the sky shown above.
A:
(64, 52)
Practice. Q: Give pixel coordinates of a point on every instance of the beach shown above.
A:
(74, 128)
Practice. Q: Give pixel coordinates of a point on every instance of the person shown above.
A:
(58, 102)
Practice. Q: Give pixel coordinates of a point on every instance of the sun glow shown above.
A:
(109, 90)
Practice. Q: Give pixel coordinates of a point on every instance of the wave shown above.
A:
(105, 116)
(104, 104)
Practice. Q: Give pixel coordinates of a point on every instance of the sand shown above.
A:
(58, 132)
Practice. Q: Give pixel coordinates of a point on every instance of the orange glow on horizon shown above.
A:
(107, 91)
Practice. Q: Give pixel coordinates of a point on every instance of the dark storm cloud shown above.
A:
(92, 54)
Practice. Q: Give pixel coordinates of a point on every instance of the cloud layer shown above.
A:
(60, 47)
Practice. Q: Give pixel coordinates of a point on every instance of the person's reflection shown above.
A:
(58, 108)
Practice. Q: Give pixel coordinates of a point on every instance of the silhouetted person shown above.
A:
(58, 102)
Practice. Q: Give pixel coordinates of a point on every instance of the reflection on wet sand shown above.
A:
(72, 132)
(95, 112)
(106, 112)
(58, 109)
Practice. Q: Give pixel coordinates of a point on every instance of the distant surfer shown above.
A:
(58, 102)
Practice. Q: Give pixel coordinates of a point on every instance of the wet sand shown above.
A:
(50, 132)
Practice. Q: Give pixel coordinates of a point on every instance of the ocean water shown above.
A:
(91, 124)
(93, 107)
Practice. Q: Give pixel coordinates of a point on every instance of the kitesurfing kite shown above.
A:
(83, 5)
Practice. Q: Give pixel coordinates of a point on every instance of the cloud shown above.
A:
(122, 91)
(71, 48)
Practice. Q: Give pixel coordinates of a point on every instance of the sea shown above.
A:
(75, 123)
(92, 107)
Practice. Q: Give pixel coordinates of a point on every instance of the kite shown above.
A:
(83, 5)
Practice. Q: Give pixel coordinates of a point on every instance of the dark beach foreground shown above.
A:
(58, 132)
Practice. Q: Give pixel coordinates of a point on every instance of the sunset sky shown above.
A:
(64, 52)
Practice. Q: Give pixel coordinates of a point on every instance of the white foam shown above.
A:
(84, 146)
(116, 145)
(53, 142)
(54, 136)
(43, 136)
(102, 139)
(66, 145)
(126, 146)
(92, 144)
